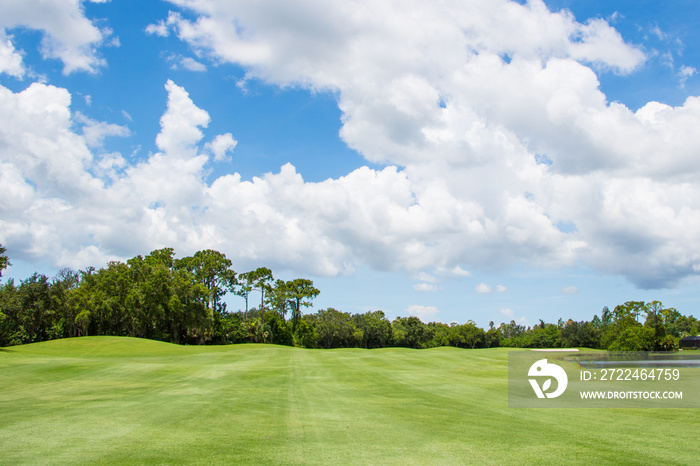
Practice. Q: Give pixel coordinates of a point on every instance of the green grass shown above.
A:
(121, 400)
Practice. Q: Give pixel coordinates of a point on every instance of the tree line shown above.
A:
(181, 301)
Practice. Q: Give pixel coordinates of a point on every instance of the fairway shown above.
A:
(121, 400)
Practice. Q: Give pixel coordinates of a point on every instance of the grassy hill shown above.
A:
(124, 400)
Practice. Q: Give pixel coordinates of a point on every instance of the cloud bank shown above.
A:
(498, 144)
(67, 35)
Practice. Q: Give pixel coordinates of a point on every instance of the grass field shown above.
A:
(122, 400)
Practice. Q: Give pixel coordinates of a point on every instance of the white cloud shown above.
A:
(656, 30)
(685, 73)
(222, 145)
(96, 131)
(67, 34)
(160, 29)
(181, 123)
(483, 288)
(458, 271)
(191, 64)
(569, 290)
(425, 287)
(424, 313)
(451, 95)
(426, 277)
(36, 137)
(188, 63)
(10, 59)
(507, 312)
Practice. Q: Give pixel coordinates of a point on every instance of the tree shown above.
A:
(334, 329)
(279, 329)
(187, 317)
(580, 334)
(619, 321)
(9, 309)
(63, 286)
(606, 317)
(542, 336)
(375, 328)
(633, 338)
(410, 332)
(492, 338)
(299, 292)
(467, 336)
(212, 269)
(4, 260)
(278, 298)
(261, 279)
(510, 330)
(305, 334)
(439, 334)
(246, 284)
(35, 310)
(625, 313)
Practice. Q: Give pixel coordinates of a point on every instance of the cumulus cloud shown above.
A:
(424, 313)
(66, 204)
(10, 59)
(181, 124)
(159, 29)
(95, 132)
(425, 287)
(67, 34)
(222, 145)
(488, 116)
(457, 271)
(483, 288)
(426, 277)
(187, 63)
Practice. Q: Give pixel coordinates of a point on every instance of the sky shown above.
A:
(484, 160)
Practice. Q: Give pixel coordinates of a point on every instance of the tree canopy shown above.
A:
(4, 260)
(182, 301)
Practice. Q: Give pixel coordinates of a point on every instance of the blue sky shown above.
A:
(483, 160)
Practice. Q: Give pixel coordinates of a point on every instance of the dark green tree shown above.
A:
(9, 311)
(580, 334)
(246, 284)
(4, 260)
(305, 334)
(212, 269)
(375, 328)
(299, 292)
(410, 332)
(467, 335)
(261, 278)
(618, 321)
(278, 298)
(334, 329)
(35, 311)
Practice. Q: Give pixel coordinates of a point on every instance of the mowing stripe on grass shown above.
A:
(122, 400)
